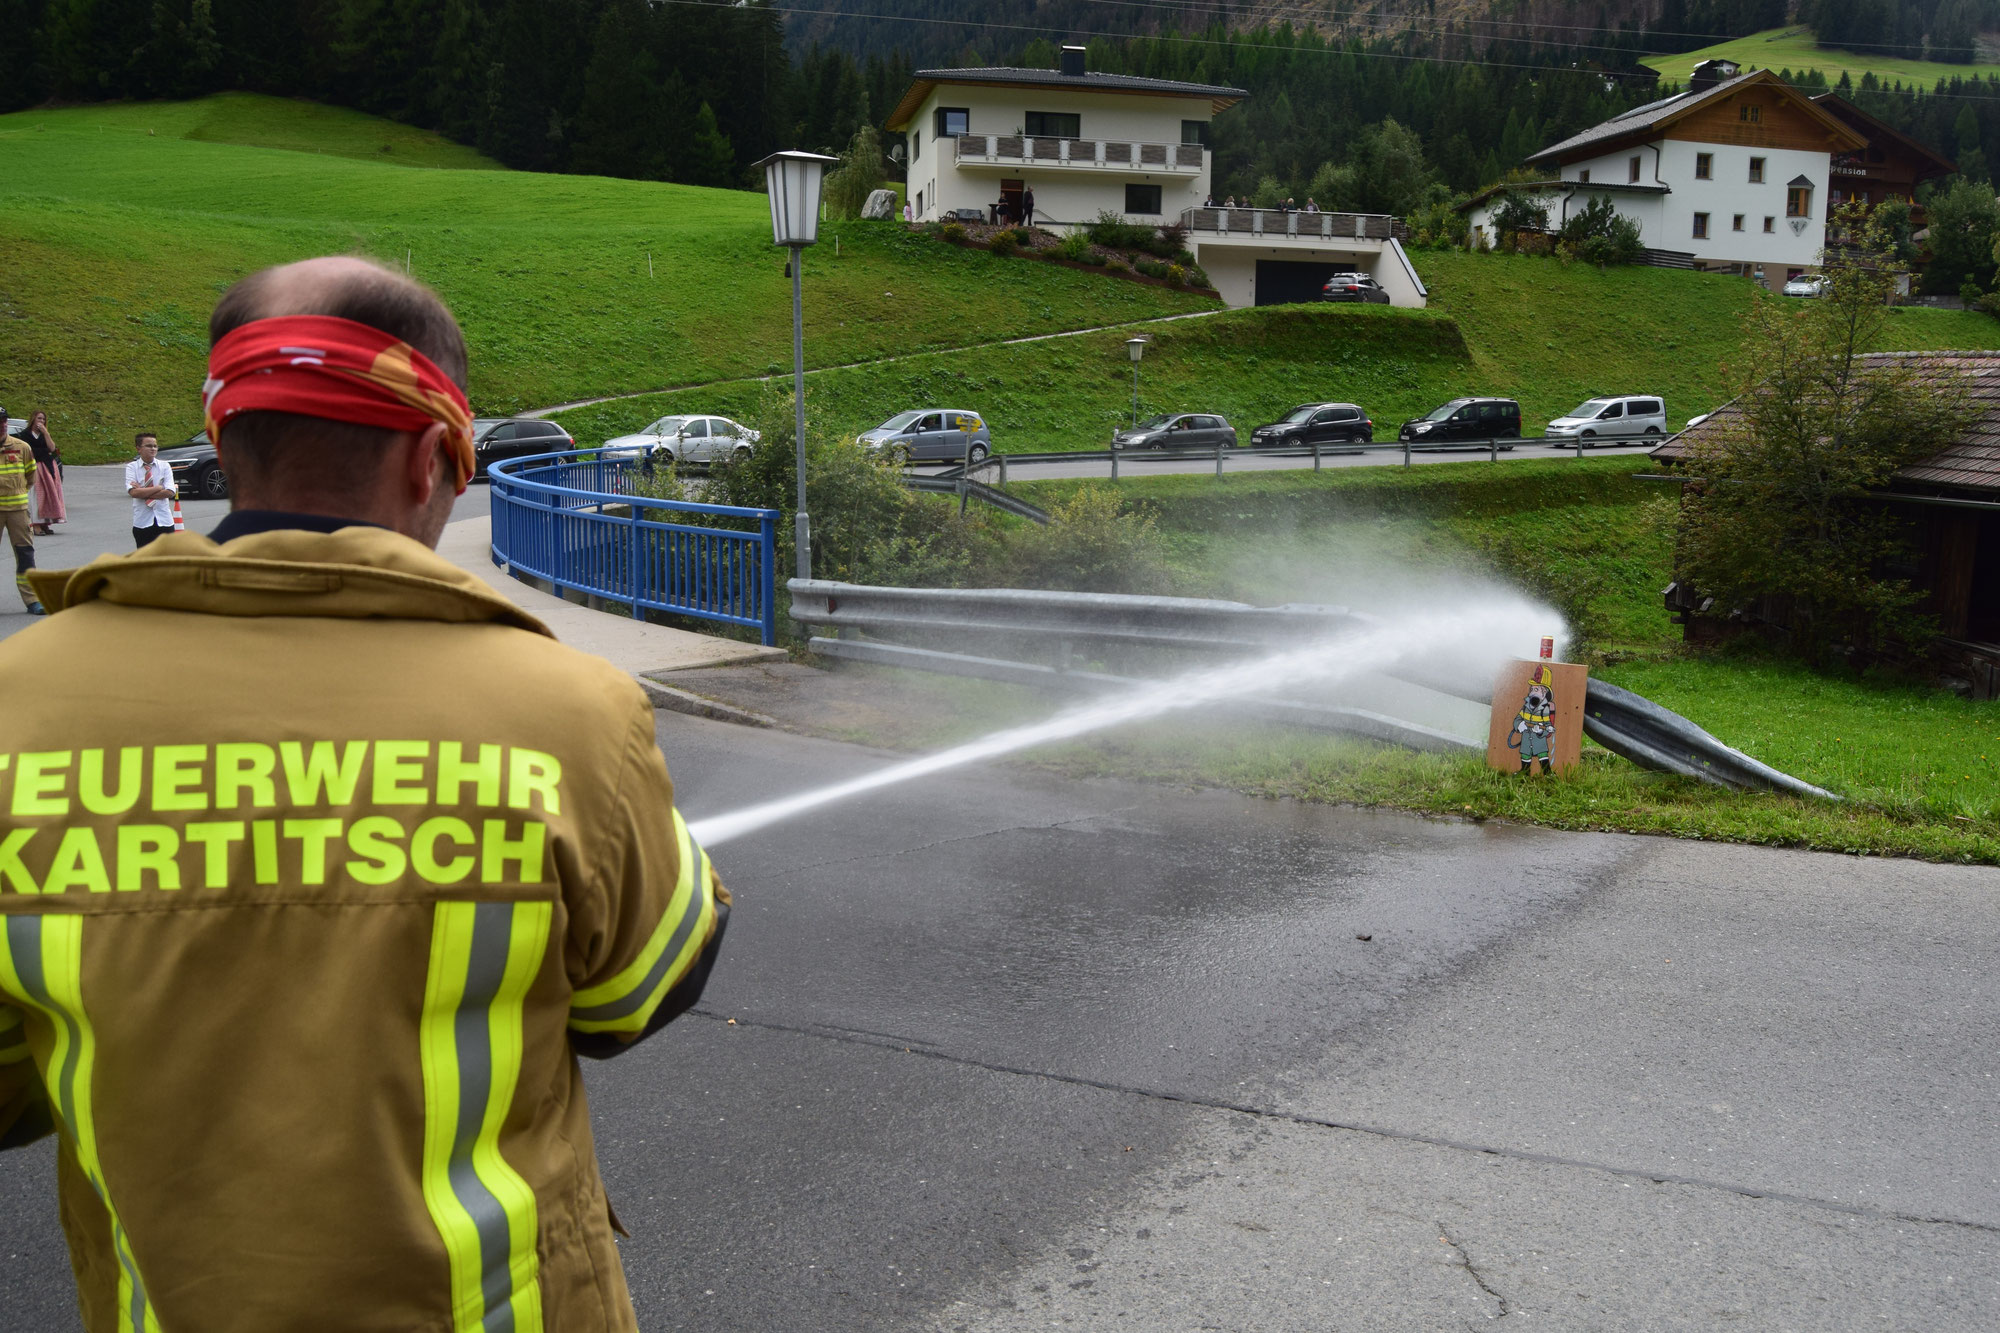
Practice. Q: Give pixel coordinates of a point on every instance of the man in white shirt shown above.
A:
(150, 483)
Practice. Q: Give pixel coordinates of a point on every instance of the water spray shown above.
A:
(1477, 639)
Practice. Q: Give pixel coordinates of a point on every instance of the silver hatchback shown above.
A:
(931, 434)
(1610, 418)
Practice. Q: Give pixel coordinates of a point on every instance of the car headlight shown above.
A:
(1423, 428)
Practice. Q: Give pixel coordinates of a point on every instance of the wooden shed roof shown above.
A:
(1969, 463)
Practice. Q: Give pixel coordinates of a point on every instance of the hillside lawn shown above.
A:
(1919, 766)
(1795, 48)
(123, 223)
(1547, 333)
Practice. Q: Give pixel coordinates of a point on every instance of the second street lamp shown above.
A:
(793, 180)
(1137, 348)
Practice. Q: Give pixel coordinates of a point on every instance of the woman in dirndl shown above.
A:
(48, 490)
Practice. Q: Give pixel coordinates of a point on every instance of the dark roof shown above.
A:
(1876, 130)
(1555, 186)
(924, 80)
(1657, 115)
(1969, 463)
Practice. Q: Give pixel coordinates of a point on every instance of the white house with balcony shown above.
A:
(1731, 176)
(1086, 143)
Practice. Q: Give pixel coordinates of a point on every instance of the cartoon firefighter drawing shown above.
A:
(1535, 726)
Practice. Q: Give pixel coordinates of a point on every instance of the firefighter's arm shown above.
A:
(24, 1108)
(645, 935)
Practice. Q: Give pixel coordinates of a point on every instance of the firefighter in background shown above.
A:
(299, 968)
(1535, 726)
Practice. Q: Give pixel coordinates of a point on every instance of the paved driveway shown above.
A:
(1010, 1052)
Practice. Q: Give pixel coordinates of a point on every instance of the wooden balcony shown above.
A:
(1276, 223)
(1014, 151)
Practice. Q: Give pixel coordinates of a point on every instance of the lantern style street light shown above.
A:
(792, 180)
(1137, 348)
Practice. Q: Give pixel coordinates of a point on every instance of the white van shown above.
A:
(1610, 418)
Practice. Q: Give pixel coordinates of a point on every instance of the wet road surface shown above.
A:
(1011, 1051)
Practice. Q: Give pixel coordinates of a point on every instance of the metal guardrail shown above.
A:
(1625, 723)
(571, 520)
(1220, 454)
(957, 483)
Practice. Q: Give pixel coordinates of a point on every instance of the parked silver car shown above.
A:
(686, 439)
(1610, 418)
(1178, 430)
(1806, 284)
(931, 434)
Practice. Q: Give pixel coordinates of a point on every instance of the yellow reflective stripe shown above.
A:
(41, 967)
(484, 957)
(626, 1002)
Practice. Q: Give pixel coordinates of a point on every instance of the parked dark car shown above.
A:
(1315, 423)
(497, 438)
(197, 472)
(1178, 430)
(1353, 287)
(1466, 419)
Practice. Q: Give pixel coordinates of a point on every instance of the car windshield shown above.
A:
(1299, 414)
(1443, 412)
(900, 421)
(1157, 423)
(1590, 409)
(481, 428)
(665, 426)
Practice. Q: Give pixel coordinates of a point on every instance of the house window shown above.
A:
(1770, 224)
(1701, 226)
(1143, 199)
(953, 121)
(1583, 177)
(1632, 169)
(1736, 222)
(1753, 115)
(1798, 200)
(1704, 166)
(1195, 132)
(916, 144)
(920, 203)
(1055, 125)
(1756, 171)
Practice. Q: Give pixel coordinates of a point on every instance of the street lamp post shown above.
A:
(1137, 348)
(793, 179)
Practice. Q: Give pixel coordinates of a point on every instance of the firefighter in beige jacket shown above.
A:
(298, 969)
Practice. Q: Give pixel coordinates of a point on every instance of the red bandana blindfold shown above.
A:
(320, 366)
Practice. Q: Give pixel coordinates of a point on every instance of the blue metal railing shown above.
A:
(571, 519)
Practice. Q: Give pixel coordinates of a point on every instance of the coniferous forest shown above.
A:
(697, 90)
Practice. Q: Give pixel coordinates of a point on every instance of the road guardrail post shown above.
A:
(1406, 453)
(1315, 455)
(1218, 458)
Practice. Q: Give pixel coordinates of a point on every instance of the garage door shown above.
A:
(1281, 281)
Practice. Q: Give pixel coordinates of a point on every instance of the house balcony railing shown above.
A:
(1012, 150)
(1278, 222)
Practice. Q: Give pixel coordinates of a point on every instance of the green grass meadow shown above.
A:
(122, 223)
(1795, 48)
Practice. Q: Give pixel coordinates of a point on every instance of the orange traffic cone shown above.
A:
(180, 524)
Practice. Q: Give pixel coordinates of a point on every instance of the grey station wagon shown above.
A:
(932, 434)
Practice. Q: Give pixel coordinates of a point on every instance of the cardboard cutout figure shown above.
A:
(1538, 717)
(1535, 725)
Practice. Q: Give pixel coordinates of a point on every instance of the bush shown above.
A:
(1114, 233)
(1152, 268)
(1022, 236)
(1599, 234)
(1004, 243)
(1198, 276)
(1076, 247)
(952, 232)
(1177, 275)
(1091, 545)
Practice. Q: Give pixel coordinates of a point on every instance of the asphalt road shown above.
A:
(1144, 463)
(1010, 1051)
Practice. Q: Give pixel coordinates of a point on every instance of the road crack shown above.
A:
(1472, 1271)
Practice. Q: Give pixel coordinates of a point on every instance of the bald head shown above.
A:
(346, 287)
(302, 464)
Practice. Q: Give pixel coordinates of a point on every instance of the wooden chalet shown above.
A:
(1952, 500)
(1892, 165)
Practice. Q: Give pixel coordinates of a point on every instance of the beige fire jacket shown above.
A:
(316, 869)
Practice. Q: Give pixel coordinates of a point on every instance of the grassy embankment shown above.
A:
(1795, 48)
(1538, 330)
(1920, 768)
(123, 222)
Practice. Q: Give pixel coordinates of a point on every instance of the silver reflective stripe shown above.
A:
(492, 931)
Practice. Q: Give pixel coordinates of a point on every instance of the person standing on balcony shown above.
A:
(1027, 204)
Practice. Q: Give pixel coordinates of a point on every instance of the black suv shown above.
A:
(1353, 287)
(1315, 423)
(495, 438)
(197, 473)
(1466, 419)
